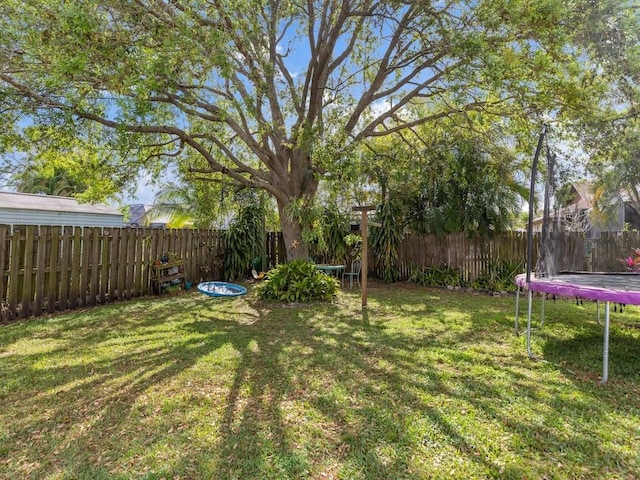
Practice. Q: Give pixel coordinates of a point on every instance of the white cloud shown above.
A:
(380, 107)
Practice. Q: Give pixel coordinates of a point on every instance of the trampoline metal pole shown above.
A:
(530, 296)
(605, 351)
(517, 309)
(532, 187)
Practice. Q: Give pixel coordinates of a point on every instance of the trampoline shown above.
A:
(221, 289)
(602, 287)
(616, 287)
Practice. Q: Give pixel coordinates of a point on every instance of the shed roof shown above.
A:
(47, 203)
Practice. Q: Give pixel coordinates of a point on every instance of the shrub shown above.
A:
(385, 240)
(242, 241)
(437, 277)
(297, 281)
(498, 277)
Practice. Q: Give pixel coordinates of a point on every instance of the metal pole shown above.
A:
(529, 324)
(534, 170)
(605, 352)
(517, 309)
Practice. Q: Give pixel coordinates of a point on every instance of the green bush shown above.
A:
(242, 242)
(499, 276)
(297, 281)
(437, 277)
(385, 240)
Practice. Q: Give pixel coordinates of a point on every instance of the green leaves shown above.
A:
(243, 241)
(386, 238)
(297, 281)
(438, 276)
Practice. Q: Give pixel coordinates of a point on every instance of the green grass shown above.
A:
(423, 384)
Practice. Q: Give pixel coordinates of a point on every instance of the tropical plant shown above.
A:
(470, 192)
(354, 242)
(385, 240)
(437, 276)
(297, 281)
(632, 262)
(447, 179)
(48, 181)
(243, 241)
(174, 202)
(617, 174)
(498, 276)
(335, 225)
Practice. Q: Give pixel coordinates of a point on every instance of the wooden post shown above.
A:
(363, 230)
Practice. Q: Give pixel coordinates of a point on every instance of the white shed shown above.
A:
(28, 209)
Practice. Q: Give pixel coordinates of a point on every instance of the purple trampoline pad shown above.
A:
(606, 287)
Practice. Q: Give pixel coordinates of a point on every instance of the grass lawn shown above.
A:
(424, 384)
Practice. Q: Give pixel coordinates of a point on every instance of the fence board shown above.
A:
(122, 267)
(94, 286)
(114, 248)
(139, 265)
(12, 294)
(54, 264)
(76, 253)
(105, 249)
(4, 275)
(87, 243)
(130, 262)
(41, 265)
(66, 243)
(27, 277)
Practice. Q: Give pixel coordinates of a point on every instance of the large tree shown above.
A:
(271, 94)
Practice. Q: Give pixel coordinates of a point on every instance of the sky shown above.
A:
(144, 193)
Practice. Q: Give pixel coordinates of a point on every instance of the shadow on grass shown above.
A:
(422, 385)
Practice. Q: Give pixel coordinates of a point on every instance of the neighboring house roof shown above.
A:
(30, 209)
(577, 207)
(579, 198)
(138, 213)
(582, 197)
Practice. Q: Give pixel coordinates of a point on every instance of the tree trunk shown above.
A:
(292, 232)
(300, 184)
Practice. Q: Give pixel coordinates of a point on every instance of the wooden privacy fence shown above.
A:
(474, 256)
(49, 268)
(471, 256)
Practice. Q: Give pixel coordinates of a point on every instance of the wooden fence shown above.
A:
(50, 268)
(474, 256)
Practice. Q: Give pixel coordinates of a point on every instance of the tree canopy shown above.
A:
(273, 94)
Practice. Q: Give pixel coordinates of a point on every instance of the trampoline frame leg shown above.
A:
(517, 309)
(530, 297)
(605, 349)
